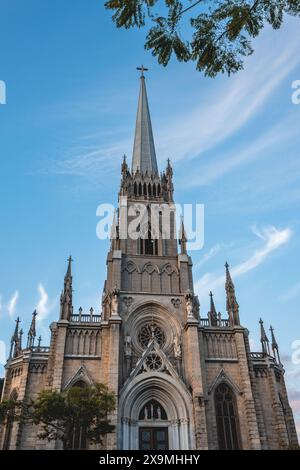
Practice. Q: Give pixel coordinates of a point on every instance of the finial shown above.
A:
(274, 345)
(66, 305)
(14, 339)
(263, 338)
(39, 341)
(124, 166)
(213, 313)
(70, 259)
(142, 69)
(32, 332)
(232, 305)
(274, 342)
(182, 237)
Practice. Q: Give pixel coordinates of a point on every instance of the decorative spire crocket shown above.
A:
(169, 180)
(274, 346)
(15, 341)
(182, 237)
(32, 331)
(66, 305)
(212, 314)
(232, 305)
(264, 339)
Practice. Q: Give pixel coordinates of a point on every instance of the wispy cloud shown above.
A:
(42, 306)
(207, 256)
(12, 304)
(273, 239)
(291, 293)
(91, 160)
(224, 163)
(234, 103)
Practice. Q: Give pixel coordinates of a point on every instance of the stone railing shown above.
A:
(257, 355)
(40, 349)
(220, 323)
(260, 356)
(85, 318)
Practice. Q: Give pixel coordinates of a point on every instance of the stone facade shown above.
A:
(193, 378)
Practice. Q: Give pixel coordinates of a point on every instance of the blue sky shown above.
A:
(72, 92)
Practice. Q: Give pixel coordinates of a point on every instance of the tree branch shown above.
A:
(227, 30)
(190, 7)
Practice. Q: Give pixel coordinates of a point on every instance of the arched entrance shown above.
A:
(156, 413)
(153, 427)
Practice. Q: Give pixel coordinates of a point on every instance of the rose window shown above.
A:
(153, 361)
(148, 332)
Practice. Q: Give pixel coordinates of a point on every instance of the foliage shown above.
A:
(10, 408)
(61, 414)
(219, 31)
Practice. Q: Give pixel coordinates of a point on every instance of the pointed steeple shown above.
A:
(20, 339)
(15, 341)
(69, 270)
(66, 304)
(264, 339)
(169, 180)
(231, 303)
(274, 345)
(213, 316)
(124, 167)
(144, 157)
(182, 237)
(32, 331)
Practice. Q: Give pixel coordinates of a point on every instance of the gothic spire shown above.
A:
(20, 339)
(66, 305)
(264, 339)
(14, 342)
(32, 331)
(182, 237)
(274, 345)
(69, 270)
(213, 316)
(144, 157)
(232, 305)
(169, 180)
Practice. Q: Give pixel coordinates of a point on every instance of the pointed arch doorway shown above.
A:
(153, 427)
(155, 413)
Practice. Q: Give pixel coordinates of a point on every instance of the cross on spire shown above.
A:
(142, 69)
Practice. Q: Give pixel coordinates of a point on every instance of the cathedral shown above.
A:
(183, 379)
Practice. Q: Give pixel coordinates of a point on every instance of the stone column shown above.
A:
(194, 371)
(59, 330)
(113, 374)
(249, 405)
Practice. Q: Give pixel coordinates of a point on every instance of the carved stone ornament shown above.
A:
(189, 300)
(115, 301)
(176, 302)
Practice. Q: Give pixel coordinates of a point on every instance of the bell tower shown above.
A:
(149, 288)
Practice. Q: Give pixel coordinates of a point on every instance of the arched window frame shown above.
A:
(79, 434)
(228, 430)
